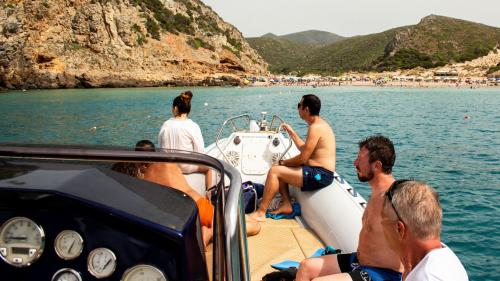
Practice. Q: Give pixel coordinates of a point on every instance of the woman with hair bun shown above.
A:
(182, 133)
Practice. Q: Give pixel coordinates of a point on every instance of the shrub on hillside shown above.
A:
(152, 28)
(405, 59)
(208, 25)
(197, 43)
(168, 21)
(494, 69)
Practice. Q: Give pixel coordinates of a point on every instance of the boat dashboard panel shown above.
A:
(94, 225)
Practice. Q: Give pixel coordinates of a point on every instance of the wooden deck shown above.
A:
(277, 241)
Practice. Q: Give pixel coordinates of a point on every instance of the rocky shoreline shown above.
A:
(50, 44)
(118, 81)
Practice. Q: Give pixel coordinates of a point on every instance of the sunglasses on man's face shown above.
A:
(299, 105)
(390, 193)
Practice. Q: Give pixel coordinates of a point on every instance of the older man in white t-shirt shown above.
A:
(411, 220)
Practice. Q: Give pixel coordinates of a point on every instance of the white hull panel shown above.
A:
(333, 213)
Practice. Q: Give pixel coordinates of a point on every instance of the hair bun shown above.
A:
(186, 96)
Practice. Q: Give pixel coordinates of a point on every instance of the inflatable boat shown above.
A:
(66, 215)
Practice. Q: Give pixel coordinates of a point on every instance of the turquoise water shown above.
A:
(434, 142)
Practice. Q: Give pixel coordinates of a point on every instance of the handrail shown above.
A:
(234, 128)
(272, 122)
(235, 243)
(277, 131)
(230, 249)
(91, 154)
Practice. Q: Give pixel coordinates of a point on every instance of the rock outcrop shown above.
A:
(119, 43)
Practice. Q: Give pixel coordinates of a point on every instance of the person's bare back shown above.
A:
(324, 151)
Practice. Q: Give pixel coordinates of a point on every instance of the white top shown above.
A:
(439, 264)
(183, 135)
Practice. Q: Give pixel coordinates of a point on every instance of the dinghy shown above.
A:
(65, 215)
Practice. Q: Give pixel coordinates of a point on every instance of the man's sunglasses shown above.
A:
(299, 105)
(390, 193)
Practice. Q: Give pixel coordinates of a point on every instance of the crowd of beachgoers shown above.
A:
(395, 81)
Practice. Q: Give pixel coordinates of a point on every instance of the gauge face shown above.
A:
(21, 241)
(101, 262)
(68, 244)
(143, 272)
(66, 274)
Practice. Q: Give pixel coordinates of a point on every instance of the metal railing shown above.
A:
(235, 128)
(230, 120)
(277, 131)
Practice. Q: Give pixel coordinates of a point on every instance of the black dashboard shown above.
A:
(74, 222)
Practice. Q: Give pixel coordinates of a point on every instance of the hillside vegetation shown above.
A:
(316, 37)
(434, 41)
(281, 54)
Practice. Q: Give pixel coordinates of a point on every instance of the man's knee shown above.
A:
(314, 267)
(274, 171)
(305, 268)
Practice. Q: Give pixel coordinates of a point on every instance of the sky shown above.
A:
(348, 17)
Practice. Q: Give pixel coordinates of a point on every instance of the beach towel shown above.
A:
(295, 212)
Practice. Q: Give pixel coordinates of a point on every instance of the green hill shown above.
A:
(434, 41)
(315, 37)
(282, 52)
(438, 40)
(356, 53)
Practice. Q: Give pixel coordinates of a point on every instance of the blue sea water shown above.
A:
(459, 156)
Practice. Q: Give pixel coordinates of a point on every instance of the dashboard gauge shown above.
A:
(66, 274)
(68, 244)
(143, 272)
(21, 241)
(101, 262)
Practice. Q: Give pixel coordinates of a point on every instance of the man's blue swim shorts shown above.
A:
(315, 178)
(349, 263)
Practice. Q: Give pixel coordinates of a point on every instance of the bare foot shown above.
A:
(249, 218)
(253, 227)
(283, 209)
(257, 216)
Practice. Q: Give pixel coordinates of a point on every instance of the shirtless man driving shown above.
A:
(310, 170)
(374, 259)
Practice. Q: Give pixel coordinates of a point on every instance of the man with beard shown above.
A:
(374, 259)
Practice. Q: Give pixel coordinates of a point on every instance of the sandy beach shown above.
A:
(392, 84)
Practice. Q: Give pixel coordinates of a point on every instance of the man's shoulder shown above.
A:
(321, 125)
(436, 265)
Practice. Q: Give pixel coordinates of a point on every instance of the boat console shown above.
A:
(252, 147)
(79, 220)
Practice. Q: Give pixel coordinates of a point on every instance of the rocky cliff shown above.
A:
(119, 43)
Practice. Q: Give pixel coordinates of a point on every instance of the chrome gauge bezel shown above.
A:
(127, 274)
(6, 251)
(64, 270)
(90, 264)
(77, 243)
